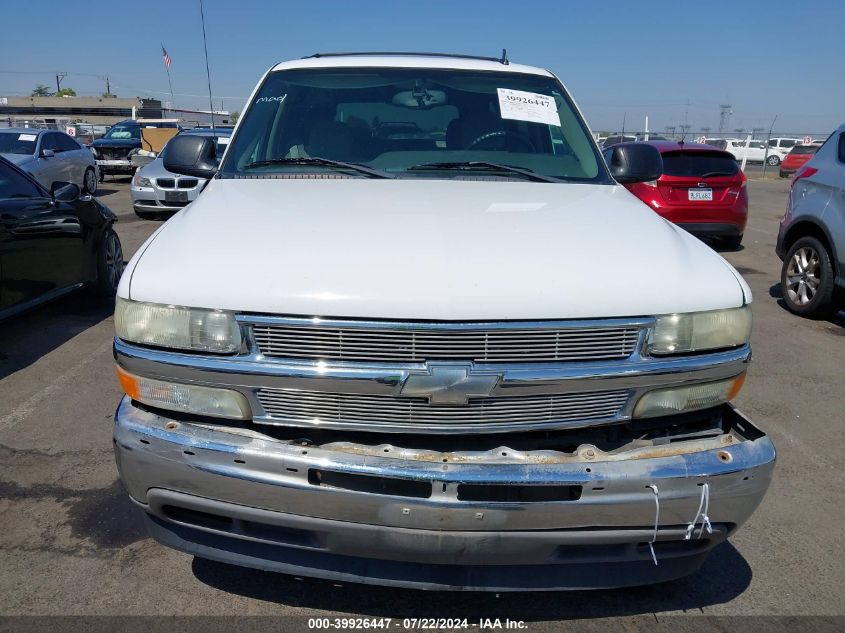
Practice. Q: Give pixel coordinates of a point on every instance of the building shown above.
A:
(60, 111)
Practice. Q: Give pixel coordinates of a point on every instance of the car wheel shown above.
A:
(89, 181)
(109, 264)
(732, 241)
(773, 160)
(806, 279)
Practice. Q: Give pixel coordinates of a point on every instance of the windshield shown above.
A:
(124, 132)
(401, 120)
(18, 143)
(699, 164)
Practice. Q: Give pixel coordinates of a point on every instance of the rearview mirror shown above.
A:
(191, 155)
(65, 191)
(47, 153)
(635, 162)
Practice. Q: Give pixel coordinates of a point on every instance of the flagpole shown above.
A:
(169, 83)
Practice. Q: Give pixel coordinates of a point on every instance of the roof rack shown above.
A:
(502, 60)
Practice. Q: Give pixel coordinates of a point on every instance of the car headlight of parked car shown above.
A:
(700, 331)
(139, 181)
(688, 398)
(177, 327)
(93, 151)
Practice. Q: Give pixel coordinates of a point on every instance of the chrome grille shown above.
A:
(311, 408)
(405, 344)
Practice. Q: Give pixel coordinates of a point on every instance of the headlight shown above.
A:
(140, 181)
(173, 326)
(220, 403)
(94, 151)
(698, 331)
(689, 398)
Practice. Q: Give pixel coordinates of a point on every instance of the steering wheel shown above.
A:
(503, 134)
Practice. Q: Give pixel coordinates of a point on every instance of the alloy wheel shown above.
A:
(114, 260)
(802, 276)
(90, 181)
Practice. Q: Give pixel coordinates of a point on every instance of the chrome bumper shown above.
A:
(364, 513)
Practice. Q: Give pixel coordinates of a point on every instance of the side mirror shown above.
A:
(65, 191)
(635, 162)
(191, 155)
(47, 153)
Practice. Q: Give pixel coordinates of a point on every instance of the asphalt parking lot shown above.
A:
(72, 544)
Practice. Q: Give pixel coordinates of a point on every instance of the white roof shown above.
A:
(398, 60)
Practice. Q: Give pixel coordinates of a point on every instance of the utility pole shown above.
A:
(684, 129)
(59, 77)
(724, 115)
(768, 140)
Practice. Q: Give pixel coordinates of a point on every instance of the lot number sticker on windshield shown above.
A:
(27, 137)
(528, 106)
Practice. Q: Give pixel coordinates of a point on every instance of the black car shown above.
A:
(115, 149)
(52, 242)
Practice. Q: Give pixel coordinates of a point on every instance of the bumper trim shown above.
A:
(501, 561)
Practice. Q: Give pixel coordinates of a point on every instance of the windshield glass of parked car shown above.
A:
(124, 132)
(17, 143)
(699, 164)
(415, 122)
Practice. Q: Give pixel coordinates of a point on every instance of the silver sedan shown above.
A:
(157, 192)
(50, 156)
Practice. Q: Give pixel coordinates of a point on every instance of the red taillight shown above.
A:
(804, 172)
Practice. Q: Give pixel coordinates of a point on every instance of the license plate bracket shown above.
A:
(175, 196)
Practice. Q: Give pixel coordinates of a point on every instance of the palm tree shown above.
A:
(41, 91)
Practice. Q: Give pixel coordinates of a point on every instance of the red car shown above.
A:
(797, 156)
(702, 190)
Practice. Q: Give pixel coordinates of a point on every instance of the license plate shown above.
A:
(175, 196)
(700, 194)
(123, 163)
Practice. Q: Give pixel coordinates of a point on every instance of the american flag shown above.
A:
(166, 57)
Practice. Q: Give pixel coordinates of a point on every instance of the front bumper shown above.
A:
(435, 520)
(116, 166)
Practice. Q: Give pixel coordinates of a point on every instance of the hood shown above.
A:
(18, 159)
(428, 249)
(117, 142)
(156, 169)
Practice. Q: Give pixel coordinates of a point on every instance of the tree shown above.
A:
(66, 92)
(41, 91)
(233, 117)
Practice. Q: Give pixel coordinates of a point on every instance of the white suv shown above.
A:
(415, 332)
(779, 148)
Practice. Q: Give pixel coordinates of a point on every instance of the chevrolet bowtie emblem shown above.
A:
(449, 384)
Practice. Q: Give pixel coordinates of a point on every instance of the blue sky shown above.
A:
(668, 60)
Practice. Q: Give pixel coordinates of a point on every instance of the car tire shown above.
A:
(110, 264)
(89, 181)
(773, 160)
(806, 279)
(732, 241)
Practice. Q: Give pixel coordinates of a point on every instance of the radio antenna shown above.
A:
(207, 72)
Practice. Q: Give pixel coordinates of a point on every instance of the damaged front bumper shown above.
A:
(499, 519)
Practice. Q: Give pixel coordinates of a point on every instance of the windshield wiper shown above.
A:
(474, 165)
(322, 162)
(716, 173)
